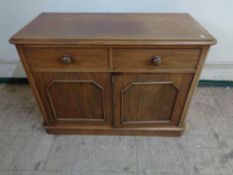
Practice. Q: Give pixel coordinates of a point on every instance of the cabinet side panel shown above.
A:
(194, 83)
(32, 83)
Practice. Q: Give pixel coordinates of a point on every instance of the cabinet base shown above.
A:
(116, 131)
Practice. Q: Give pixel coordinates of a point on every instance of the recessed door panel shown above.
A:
(157, 97)
(147, 100)
(76, 98)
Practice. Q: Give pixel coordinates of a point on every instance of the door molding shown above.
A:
(74, 81)
(147, 83)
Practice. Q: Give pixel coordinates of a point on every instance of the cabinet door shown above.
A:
(149, 100)
(76, 98)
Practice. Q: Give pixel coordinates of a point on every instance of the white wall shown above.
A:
(215, 15)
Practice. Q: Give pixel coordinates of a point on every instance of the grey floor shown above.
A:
(206, 148)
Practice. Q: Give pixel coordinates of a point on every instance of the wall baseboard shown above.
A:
(215, 83)
(202, 83)
(13, 81)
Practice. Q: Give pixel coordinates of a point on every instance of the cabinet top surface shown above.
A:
(113, 28)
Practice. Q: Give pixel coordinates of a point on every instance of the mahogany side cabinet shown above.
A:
(113, 74)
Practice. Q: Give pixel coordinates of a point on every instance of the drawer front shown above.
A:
(80, 58)
(156, 58)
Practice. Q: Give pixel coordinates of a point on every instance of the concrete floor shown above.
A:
(206, 148)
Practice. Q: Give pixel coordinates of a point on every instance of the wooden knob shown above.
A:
(66, 59)
(156, 60)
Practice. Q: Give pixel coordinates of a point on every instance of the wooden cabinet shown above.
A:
(113, 74)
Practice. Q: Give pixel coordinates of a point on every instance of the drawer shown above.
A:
(78, 58)
(156, 58)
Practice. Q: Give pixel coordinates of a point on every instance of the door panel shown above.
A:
(76, 98)
(147, 100)
(158, 97)
(79, 100)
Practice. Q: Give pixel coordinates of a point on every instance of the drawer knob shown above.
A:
(156, 60)
(66, 59)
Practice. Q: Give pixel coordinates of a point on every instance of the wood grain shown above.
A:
(166, 131)
(111, 86)
(170, 58)
(149, 100)
(81, 98)
(51, 57)
(194, 84)
(21, 52)
(123, 28)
